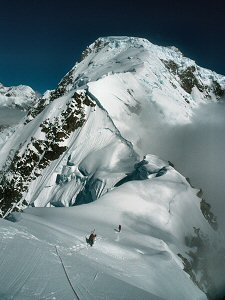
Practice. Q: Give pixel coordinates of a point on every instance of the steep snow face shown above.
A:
(88, 129)
(135, 80)
(156, 98)
(71, 145)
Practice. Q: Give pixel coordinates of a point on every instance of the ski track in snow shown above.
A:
(109, 260)
(139, 102)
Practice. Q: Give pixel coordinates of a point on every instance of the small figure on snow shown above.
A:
(92, 238)
(119, 228)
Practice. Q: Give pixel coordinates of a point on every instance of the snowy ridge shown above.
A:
(39, 163)
(143, 81)
(144, 53)
(86, 142)
(141, 261)
(122, 88)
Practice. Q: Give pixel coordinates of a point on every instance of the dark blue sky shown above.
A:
(40, 40)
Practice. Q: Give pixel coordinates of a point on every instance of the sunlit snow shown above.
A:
(141, 119)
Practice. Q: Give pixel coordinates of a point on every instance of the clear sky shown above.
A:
(40, 40)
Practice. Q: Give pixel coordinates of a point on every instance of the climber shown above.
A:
(119, 228)
(92, 238)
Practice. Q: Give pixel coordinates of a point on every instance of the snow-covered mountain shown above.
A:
(121, 87)
(86, 140)
(14, 103)
(20, 96)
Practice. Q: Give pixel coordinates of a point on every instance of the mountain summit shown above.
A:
(84, 136)
(90, 139)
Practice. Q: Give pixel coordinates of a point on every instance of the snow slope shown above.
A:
(163, 232)
(139, 262)
(87, 145)
(137, 81)
(84, 142)
(132, 88)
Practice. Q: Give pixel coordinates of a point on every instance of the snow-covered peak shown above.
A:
(86, 141)
(124, 43)
(166, 69)
(149, 73)
(121, 90)
(20, 96)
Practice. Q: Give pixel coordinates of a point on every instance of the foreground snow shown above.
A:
(140, 262)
